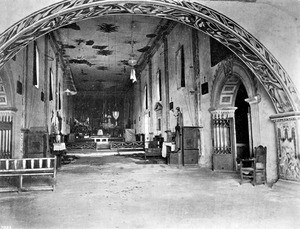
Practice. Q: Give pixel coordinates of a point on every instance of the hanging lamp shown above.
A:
(132, 62)
(115, 112)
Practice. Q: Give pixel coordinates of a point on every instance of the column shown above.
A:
(254, 127)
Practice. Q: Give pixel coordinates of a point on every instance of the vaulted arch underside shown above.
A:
(258, 59)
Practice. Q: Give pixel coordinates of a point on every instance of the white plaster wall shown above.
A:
(181, 35)
(158, 63)
(52, 103)
(16, 70)
(11, 11)
(18, 122)
(274, 23)
(137, 108)
(31, 111)
(182, 97)
(267, 133)
(35, 107)
(206, 75)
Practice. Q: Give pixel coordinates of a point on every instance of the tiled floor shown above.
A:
(125, 192)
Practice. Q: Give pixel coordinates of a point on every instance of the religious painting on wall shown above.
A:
(288, 154)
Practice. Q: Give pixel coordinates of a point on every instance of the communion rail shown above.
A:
(127, 146)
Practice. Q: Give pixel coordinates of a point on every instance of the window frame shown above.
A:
(36, 65)
(159, 85)
(180, 67)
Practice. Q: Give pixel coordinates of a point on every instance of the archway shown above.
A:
(231, 114)
(251, 52)
(257, 58)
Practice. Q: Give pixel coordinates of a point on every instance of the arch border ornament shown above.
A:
(258, 59)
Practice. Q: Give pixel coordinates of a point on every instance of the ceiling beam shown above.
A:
(164, 28)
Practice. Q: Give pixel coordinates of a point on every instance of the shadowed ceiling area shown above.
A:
(98, 50)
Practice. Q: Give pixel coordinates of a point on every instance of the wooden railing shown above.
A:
(139, 145)
(82, 145)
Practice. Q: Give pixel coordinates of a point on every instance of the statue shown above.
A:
(179, 125)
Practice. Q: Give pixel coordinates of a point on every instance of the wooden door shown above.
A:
(190, 145)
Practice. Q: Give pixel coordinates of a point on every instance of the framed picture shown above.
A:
(3, 100)
(2, 88)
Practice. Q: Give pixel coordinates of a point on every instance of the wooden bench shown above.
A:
(28, 167)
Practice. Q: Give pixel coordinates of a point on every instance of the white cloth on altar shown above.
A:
(100, 132)
(164, 148)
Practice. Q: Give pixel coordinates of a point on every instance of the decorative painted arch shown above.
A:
(230, 74)
(260, 61)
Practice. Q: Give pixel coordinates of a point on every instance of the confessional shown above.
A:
(254, 169)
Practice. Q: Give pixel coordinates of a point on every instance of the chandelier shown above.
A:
(116, 116)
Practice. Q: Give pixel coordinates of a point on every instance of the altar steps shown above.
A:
(101, 153)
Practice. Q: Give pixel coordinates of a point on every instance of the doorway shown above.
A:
(242, 125)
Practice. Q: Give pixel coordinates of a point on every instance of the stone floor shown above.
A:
(128, 192)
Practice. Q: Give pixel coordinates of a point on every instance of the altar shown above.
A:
(104, 142)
